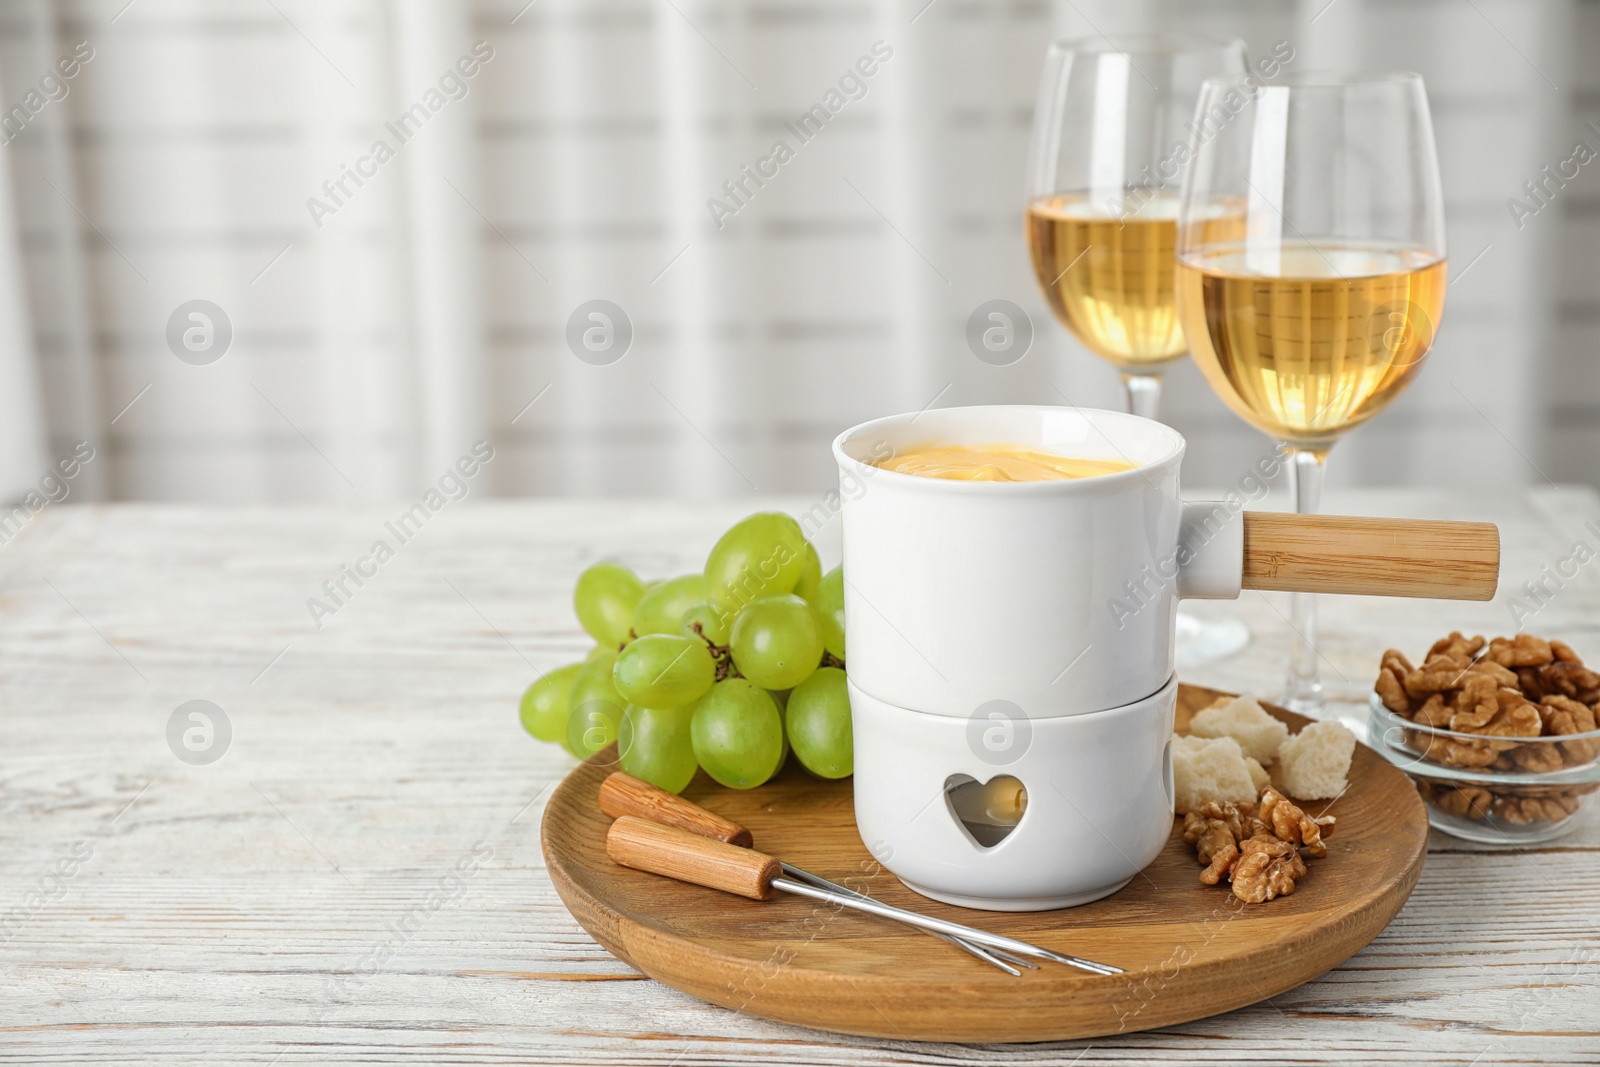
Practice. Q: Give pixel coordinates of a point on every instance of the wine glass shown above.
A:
(1110, 145)
(1313, 319)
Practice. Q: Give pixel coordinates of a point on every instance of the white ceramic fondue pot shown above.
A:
(1026, 629)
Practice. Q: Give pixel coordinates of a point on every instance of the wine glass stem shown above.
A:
(1306, 468)
(1144, 393)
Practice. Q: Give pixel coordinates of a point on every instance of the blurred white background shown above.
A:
(430, 306)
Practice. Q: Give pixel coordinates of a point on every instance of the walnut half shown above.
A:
(1290, 823)
(1259, 855)
(1268, 867)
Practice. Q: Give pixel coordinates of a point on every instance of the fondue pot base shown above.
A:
(1016, 904)
(1098, 807)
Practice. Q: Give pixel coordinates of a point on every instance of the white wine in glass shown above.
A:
(1323, 342)
(1109, 148)
(1113, 277)
(1317, 316)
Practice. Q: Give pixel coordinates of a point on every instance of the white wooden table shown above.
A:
(274, 906)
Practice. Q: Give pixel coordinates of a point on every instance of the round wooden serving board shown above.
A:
(1189, 950)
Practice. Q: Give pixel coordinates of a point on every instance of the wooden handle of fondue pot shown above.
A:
(623, 794)
(1371, 557)
(666, 850)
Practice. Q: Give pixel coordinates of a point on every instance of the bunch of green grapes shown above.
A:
(728, 670)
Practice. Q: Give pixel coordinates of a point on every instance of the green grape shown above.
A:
(599, 651)
(591, 726)
(763, 555)
(545, 704)
(819, 724)
(604, 599)
(664, 670)
(566, 743)
(660, 611)
(780, 697)
(593, 682)
(776, 642)
(594, 698)
(712, 626)
(810, 576)
(737, 733)
(829, 606)
(656, 745)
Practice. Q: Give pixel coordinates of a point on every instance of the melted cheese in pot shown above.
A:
(997, 463)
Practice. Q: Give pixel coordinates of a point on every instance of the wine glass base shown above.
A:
(1306, 698)
(1354, 717)
(1311, 709)
(1208, 640)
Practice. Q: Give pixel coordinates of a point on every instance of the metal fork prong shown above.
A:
(987, 955)
(928, 922)
(1009, 958)
(1078, 961)
(991, 956)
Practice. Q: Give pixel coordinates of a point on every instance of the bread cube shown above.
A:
(1247, 722)
(1315, 763)
(1258, 774)
(1209, 769)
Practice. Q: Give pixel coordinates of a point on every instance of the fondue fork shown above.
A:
(995, 956)
(622, 794)
(687, 857)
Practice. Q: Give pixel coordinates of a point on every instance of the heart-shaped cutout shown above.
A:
(987, 811)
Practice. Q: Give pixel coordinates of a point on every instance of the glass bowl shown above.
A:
(1493, 790)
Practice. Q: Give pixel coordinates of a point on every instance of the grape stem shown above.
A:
(830, 660)
(719, 654)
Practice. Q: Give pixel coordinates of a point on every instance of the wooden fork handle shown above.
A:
(623, 794)
(687, 857)
(1371, 557)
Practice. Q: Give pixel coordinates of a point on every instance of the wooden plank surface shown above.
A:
(358, 878)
